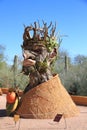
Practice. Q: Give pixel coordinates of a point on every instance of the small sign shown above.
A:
(58, 117)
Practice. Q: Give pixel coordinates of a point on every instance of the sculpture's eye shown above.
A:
(39, 51)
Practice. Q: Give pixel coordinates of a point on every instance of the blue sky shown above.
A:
(70, 16)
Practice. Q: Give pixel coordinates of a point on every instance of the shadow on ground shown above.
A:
(3, 113)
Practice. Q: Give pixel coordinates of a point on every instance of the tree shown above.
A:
(79, 59)
(1, 52)
(75, 80)
(3, 67)
(61, 63)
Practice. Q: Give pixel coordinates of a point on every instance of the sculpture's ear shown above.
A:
(58, 117)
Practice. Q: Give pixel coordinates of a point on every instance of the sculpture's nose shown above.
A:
(28, 55)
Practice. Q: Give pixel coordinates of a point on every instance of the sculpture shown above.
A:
(39, 51)
(44, 96)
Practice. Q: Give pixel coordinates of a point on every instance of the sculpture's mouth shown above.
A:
(29, 62)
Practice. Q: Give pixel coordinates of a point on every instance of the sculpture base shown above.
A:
(46, 100)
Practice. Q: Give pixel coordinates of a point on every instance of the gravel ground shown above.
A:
(74, 123)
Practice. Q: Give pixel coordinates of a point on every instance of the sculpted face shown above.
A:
(39, 52)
